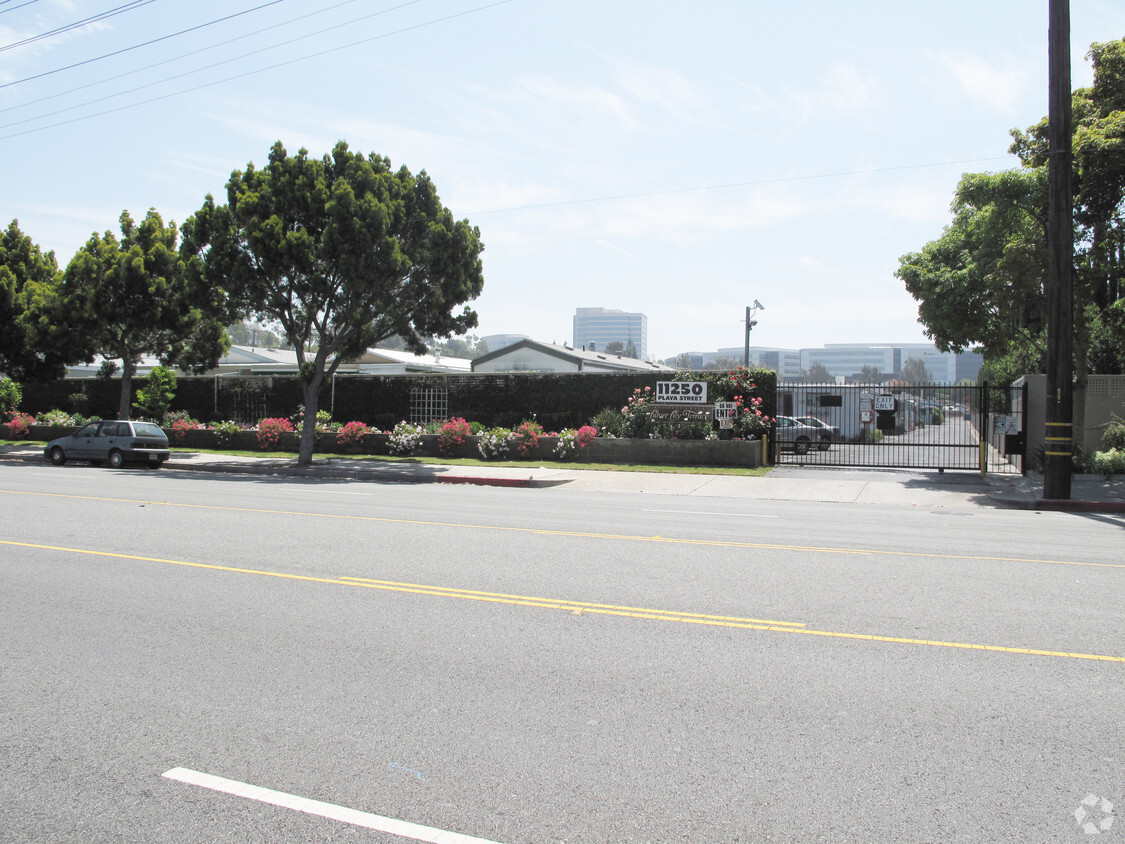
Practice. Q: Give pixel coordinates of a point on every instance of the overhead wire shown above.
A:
(186, 73)
(188, 54)
(144, 44)
(101, 16)
(4, 2)
(248, 73)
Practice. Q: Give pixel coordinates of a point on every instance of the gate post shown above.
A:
(984, 433)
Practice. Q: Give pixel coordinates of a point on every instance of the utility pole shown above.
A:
(1059, 449)
(750, 323)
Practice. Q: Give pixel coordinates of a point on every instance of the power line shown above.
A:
(177, 58)
(754, 183)
(255, 72)
(198, 70)
(4, 2)
(138, 46)
(120, 10)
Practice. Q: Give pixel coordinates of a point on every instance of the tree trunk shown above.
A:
(311, 391)
(127, 370)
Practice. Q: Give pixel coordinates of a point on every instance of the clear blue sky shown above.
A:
(678, 159)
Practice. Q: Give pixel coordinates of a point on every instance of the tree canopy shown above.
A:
(982, 283)
(33, 344)
(129, 297)
(341, 252)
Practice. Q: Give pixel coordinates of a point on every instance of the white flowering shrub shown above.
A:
(405, 438)
(494, 443)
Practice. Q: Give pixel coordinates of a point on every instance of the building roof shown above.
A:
(254, 360)
(584, 361)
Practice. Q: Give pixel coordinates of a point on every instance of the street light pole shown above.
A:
(750, 323)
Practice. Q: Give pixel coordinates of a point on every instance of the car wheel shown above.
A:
(801, 446)
(825, 444)
(116, 459)
(58, 456)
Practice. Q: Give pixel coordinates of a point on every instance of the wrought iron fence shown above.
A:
(915, 426)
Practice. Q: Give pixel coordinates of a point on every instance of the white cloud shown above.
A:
(995, 85)
(667, 90)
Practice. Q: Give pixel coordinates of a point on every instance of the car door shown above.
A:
(109, 434)
(81, 445)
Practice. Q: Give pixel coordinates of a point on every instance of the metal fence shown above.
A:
(914, 426)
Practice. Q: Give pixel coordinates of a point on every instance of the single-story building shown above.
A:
(534, 356)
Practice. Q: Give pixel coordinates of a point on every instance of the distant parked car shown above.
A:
(114, 442)
(828, 433)
(797, 435)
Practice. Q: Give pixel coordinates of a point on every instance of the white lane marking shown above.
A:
(324, 810)
(705, 513)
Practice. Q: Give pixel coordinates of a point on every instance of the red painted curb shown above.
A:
(1061, 505)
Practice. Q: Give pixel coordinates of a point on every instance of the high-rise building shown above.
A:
(602, 326)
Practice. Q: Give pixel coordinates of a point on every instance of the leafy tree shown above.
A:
(914, 370)
(469, 347)
(131, 297)
(722, 365)
(10, 397)
(630, 349)
(341, 252)
(869, 375)
(34, 338)
(818, 374)
(614, 347)
(155, 398)
(245, 334)
(982, 284)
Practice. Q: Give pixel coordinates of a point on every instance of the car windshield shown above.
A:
(147, 429)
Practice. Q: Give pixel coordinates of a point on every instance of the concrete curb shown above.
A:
(1071, 506)
(1014, 494)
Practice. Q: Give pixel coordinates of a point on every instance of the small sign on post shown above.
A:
(726, 412)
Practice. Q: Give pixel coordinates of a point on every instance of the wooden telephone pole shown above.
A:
(1058, 451)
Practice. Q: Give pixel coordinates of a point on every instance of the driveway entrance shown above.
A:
(907, 426)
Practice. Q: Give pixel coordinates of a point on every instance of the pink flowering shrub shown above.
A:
(738, 386)
(19, 424)
(270, 431)
(585, 435)
(636, 412)
(352, 433)
(180, 427)
(527, 437)
(453, 432)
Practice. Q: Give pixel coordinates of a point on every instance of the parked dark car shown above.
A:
(798, 436)
(828, 433)
(114, 442)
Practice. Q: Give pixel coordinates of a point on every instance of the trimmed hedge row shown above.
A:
(557, 401)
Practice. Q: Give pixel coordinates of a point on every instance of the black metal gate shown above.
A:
(909, 426)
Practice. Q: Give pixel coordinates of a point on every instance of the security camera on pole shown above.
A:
(750, 323)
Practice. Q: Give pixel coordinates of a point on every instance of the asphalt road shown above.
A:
(539, 665)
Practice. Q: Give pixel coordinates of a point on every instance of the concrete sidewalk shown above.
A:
(903, 488)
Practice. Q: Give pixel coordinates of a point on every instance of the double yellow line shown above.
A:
(576, 607)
